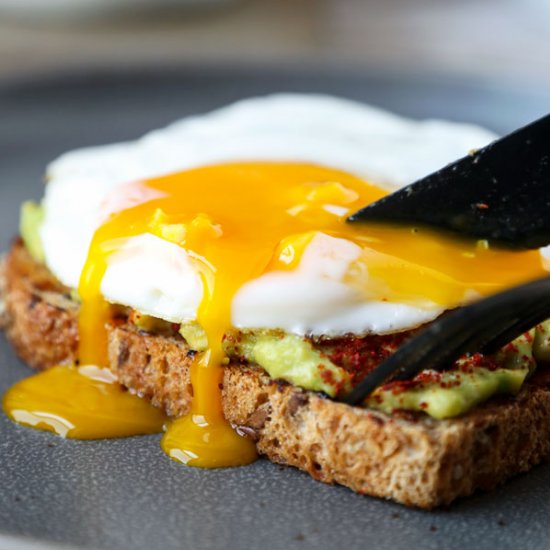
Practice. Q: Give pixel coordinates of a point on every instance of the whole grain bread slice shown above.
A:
(411, 459)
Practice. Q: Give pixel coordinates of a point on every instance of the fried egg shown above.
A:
(389, 151)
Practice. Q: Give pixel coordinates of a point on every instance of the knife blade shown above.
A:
(500, 193)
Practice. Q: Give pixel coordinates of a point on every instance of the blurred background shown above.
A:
(505, 41)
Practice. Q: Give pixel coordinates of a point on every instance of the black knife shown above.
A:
(500, 193)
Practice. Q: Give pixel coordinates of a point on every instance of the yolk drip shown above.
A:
(237, 221)
(80, 403)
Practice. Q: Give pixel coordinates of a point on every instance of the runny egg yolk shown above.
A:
(81, 403)
(237, 221)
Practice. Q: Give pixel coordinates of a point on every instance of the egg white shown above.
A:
(378, 146)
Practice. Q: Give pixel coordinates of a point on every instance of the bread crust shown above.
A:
(411, 459)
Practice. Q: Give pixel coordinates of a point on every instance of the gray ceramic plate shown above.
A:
(126, 493)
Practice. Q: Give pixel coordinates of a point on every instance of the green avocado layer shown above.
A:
(441, 395)
(32, 216)
(450, 393)
(541, 345)
(455, 392)
(289, 357)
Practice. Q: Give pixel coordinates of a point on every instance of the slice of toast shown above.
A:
(410, 458)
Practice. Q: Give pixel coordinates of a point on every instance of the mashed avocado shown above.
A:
(441, 395)
(289, 357)
(541, 345)
(451, 393)
(455, 392)
(32, 215)
(194, 335)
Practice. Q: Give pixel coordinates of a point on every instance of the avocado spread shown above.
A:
(32, 215)
(441, 395)
(455, 392)
(448, 394)
(541, 345)
(289, 357)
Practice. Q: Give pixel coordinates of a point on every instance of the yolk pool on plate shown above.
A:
(238, 221)
(81, 403)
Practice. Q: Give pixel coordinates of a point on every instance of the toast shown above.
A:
(407, 457)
